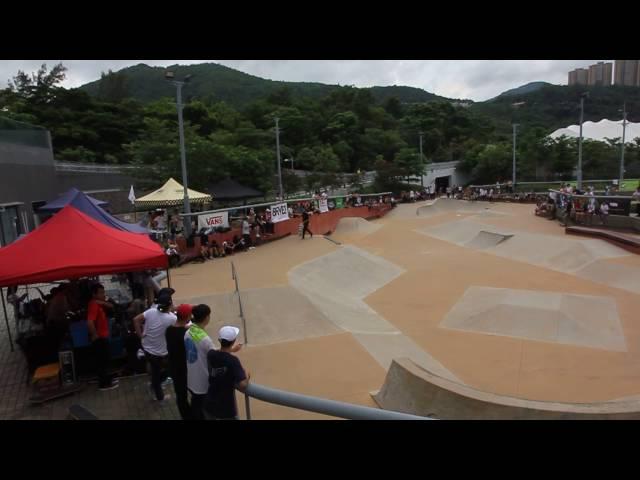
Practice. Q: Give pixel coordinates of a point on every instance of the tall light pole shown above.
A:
(513, 180)
(278, 155)
(579, 182)
(183, 157)
(421, 165)
(624, 128)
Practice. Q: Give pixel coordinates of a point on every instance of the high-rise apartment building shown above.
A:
(600, 74)
(579, 76)
(627, 73)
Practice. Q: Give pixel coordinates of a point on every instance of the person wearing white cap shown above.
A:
(226, 374)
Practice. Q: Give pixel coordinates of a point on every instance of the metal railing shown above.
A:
(275, 202)
(332, 408)
(92, 167)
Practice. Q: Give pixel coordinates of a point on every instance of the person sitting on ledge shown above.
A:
(604, 212)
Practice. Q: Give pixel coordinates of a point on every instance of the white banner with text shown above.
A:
(213, 220)
(279, 212)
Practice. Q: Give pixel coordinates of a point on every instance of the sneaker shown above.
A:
(168, 381)
(112, 386)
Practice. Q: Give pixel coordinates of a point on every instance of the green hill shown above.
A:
(527, 88)
(221, 83)
(555, 106)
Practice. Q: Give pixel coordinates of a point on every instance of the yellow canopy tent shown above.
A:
(170, 194)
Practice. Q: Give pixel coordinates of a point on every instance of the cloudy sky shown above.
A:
(474, 79)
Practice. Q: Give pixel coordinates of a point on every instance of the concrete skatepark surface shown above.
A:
(328, 320)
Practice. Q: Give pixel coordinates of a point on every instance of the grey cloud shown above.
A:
(475, 79)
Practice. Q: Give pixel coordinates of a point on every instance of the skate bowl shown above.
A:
(348, 226)
(409, 388)
(485, 239)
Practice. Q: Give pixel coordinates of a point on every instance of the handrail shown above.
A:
(322, 405)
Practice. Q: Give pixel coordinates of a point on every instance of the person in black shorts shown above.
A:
(178, 359)
(305, 223)
(226, 375)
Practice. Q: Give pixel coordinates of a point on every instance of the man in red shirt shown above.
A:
(98, 326)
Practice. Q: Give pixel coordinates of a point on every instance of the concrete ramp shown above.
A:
(562, 254)
(355, 226)
(468, 233)
(569, 319)
(338, 283)
(410, 388)
(485, 239)
(624, 277)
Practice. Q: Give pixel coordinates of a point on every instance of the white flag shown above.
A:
(132, 196)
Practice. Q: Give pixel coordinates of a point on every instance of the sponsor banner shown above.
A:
(279, 212)
(322, 205)
(213, 220)
(339, 202)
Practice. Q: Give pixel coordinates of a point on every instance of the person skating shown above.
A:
(305, 223)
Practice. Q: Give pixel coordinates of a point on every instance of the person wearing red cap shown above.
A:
(178, 358)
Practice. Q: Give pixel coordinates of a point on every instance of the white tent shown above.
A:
(600, 131)
(171, 193)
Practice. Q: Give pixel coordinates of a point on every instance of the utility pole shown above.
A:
(579, 182)
(624, 128)
(278, 155)
(421, 164)
(170, 76)
(513, 180)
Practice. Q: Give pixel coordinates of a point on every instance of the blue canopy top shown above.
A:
(66, 198)
(89, 206)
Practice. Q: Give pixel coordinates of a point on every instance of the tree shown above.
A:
(113, 87)
(291, 182)
(393, 107)
(41, 86)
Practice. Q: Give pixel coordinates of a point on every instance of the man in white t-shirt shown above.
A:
(197, 344)
(161, 222)
(246, 232)
(154, 343)
(604, 212)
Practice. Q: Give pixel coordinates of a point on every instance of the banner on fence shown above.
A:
(322, 205)
(213, 220)
(339, 202)
(279, 212)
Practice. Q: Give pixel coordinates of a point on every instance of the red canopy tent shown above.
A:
(72, 245)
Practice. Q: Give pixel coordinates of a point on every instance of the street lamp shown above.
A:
(170, 77)
(579, 179)
(278, 155)
(624, 128)
(421, 166)
(513, 181)
(289, 160)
